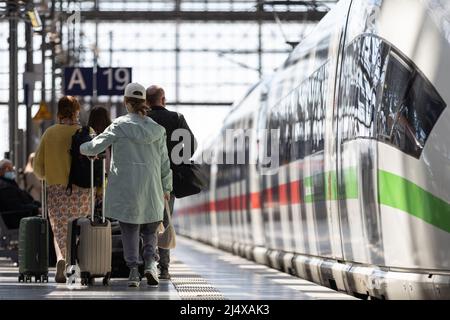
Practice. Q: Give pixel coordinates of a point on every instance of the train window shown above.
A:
(410, 108)
(300, 122)
(300, 117)
(308, 119)
(397, 79)
(292, 121)
(364, 64)
(320, 119)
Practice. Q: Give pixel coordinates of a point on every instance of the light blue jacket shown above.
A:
(140, 169)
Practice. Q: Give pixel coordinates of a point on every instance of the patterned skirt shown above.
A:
(61, 208)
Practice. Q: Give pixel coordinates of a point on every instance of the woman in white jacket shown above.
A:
(138, 181)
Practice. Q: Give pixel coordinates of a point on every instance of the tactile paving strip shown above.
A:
(191, 286)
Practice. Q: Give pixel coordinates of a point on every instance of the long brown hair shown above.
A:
(99, 119)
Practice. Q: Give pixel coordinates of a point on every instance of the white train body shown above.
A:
(360, 201)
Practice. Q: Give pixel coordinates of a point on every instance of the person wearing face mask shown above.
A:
(52, 163)
(12, 198)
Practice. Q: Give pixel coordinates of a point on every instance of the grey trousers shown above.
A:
(164, 254)
(130, 241)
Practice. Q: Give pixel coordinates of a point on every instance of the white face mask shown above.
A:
(10, 175)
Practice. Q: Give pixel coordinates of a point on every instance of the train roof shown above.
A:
(245, 104)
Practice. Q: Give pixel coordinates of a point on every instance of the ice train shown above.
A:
(360, 201)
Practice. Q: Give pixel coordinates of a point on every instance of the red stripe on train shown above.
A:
(288, 194)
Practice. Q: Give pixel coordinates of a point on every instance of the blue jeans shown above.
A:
(130, 241)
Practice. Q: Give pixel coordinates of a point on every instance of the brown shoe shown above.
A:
(60, 276)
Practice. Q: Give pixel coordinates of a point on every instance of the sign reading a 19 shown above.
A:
(112, 81)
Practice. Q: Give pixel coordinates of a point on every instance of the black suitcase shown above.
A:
(33, 245)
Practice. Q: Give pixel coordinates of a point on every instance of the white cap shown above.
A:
(135, 90)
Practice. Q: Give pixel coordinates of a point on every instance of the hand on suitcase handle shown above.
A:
(98, 156)
(93, 197)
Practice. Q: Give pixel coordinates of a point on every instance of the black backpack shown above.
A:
(80, 168)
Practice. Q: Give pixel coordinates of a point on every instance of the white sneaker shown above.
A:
(134, 279)
(151, 273)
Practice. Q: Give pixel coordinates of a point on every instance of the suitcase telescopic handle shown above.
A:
(93, 189)
(103, 187)
(44, 199)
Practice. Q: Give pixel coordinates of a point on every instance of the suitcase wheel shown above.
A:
(21, 278)
(44, 278)
(107, 279)
(28, 279)
(85, 278)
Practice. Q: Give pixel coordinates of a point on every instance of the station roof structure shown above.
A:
(181, 44)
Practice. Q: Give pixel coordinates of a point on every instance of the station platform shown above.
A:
(199, 272)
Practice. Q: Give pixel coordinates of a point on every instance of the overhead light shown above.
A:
(35, 20)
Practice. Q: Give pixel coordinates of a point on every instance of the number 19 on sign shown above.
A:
(112, 81)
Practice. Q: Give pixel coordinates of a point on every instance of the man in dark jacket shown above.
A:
(12, 198)
(172, 122)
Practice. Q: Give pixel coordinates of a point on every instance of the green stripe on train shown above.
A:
(330, 183)
(394, 191)
(399, 193)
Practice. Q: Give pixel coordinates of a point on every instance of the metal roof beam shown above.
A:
(205, 16)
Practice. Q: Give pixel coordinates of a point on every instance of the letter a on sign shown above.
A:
(78, 81)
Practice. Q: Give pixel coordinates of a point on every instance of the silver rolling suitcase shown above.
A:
(89, 243)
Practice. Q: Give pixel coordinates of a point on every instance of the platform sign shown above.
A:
(78, 81)
(112, 81)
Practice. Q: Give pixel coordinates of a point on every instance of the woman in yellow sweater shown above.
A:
(52, 163)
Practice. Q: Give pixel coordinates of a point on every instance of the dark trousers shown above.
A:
(164, 254)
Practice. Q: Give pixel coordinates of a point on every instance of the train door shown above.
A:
(317, 111)
(247, 125)
(330, 155)
(254, 173)
(223, 194)
(235, 178)
(212, 193)
(238, 182)
(362, 71)
(264, 173)
(284, 223)
(297, 206)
